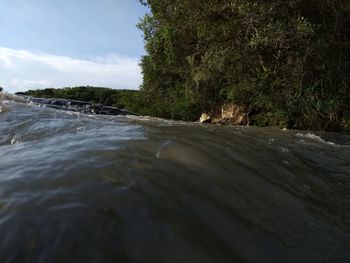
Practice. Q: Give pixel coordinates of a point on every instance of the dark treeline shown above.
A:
(123, 99)
(285, 61)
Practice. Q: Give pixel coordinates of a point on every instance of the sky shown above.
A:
(60, 43)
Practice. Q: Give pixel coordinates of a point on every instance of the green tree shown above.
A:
(285, 61)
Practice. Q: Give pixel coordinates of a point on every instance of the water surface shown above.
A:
(91, 188)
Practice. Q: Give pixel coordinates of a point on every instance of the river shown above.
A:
(97, 188)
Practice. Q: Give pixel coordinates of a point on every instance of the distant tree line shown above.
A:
(124, 99)
(286, 61)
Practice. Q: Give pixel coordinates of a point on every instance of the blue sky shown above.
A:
(50, 43)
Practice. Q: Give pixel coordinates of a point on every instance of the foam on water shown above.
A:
(313, 137)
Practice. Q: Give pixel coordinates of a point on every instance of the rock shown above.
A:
(235, 114)
(205, 118)
(8, 96)
(226, 114)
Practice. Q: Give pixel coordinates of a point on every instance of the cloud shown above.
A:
(21, 70)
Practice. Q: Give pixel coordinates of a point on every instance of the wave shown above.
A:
(106, 188)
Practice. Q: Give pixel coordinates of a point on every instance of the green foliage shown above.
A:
(286, 60)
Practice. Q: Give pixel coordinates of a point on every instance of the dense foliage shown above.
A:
(124, 99)
(285, 61)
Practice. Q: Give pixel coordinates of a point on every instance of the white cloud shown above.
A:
(21, 70)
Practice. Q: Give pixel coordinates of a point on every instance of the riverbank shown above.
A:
(133, 101)
(232, 114)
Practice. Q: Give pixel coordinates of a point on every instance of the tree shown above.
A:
(288, 60)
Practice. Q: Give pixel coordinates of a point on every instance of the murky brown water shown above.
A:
(87, 188)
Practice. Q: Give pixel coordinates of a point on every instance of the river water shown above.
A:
(93, 188)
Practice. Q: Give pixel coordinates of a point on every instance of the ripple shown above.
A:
(80, 188)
